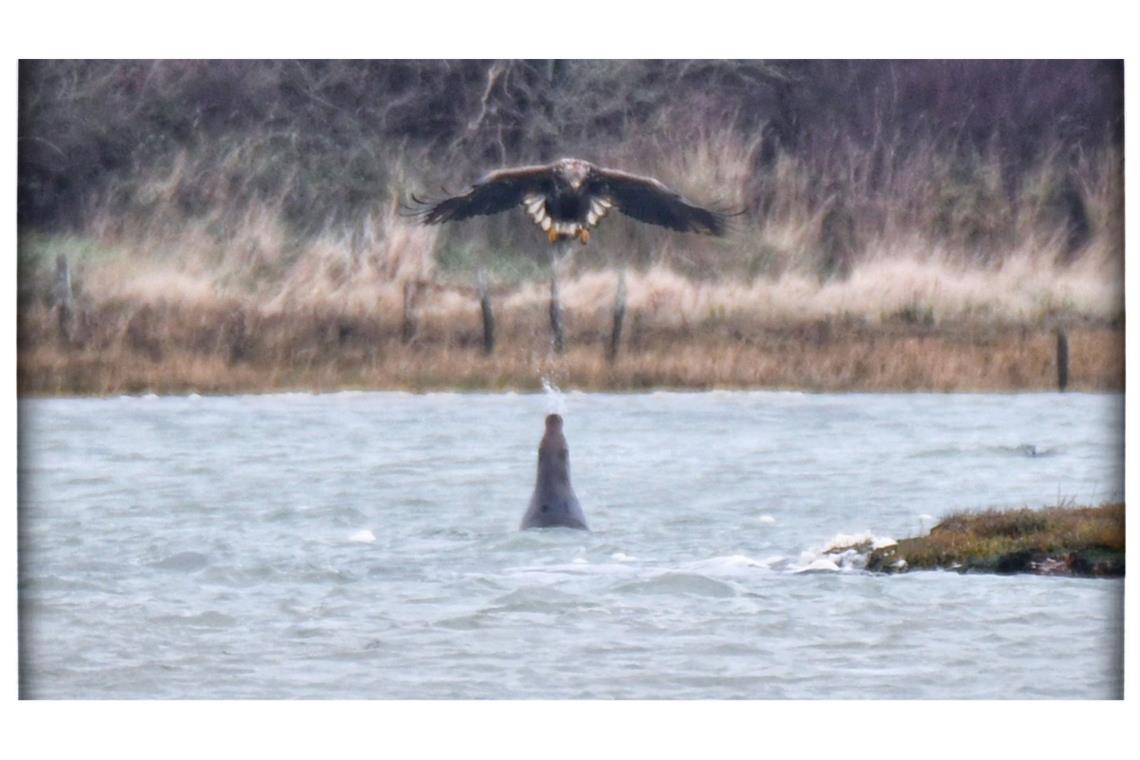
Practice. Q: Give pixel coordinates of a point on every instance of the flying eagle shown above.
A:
(568, 197)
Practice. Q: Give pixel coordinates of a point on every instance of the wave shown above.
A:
(182, 562)
(696, 584)
(207, 619)
(1021, 450)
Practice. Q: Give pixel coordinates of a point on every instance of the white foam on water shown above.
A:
(840, 553)
(733, 564)
(622, 557)
(819, 565)
(766, 519)
(845, 540)
(362, 537)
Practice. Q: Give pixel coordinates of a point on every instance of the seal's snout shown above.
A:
(554, 423)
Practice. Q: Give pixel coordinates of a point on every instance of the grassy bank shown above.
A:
(1083, 541)
(322, 319)
(173, 350)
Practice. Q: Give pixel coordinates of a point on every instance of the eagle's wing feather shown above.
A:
(647, 200)
(495, 192)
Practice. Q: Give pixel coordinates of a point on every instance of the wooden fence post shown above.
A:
(64, 298)
(408, 327)
(488, 315)
(619, 317)
(1062, 359)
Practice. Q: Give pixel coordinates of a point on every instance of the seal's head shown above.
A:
(554, 423)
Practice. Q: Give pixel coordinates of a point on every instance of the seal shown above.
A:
(553, 503)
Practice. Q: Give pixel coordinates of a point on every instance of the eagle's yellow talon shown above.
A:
(584, 235)
(552, 234)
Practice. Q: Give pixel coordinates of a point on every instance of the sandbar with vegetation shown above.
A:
(1062, 540)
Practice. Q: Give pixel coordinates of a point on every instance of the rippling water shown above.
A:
(365, 545)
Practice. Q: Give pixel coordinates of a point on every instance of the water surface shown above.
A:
(364, 545)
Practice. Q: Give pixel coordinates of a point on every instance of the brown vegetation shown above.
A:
(124, 347)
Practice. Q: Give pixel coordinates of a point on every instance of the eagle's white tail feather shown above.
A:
(534, 204)
(599, 207)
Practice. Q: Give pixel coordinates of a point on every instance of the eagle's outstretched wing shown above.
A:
(495, 192)
(647, 200)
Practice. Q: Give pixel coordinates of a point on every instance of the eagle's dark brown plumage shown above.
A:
(568, 197)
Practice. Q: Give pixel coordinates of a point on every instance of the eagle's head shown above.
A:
(573, 170)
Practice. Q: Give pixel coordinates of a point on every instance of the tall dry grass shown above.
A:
(956, 233)
(171, 349)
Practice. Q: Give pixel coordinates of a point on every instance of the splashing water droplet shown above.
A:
(555, 401)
